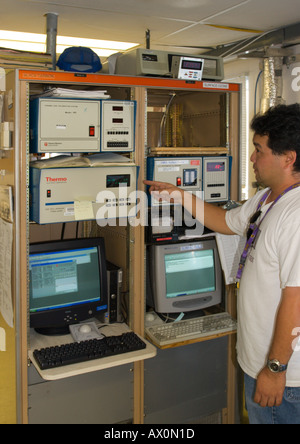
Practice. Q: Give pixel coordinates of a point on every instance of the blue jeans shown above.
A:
(287, 413)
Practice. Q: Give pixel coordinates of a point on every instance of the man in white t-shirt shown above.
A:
(269, 296)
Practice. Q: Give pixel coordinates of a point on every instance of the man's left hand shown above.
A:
(270, 388)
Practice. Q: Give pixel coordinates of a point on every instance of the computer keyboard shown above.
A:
(166, 334)
(76, 352)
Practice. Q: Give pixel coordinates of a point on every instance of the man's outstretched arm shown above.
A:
(211, 216)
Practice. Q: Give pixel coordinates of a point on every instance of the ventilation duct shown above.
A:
(52, 36)
(273, 83)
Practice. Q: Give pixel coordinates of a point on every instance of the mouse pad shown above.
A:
(79, 336)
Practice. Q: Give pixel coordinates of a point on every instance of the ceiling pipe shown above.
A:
(273, 83)
(52, 19)
(289, 35)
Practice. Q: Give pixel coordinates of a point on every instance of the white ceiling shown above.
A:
(171, 22)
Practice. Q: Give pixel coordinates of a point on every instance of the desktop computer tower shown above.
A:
(114, 288)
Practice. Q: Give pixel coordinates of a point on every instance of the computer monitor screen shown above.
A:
(190, 273)
(67, 283)
(185, 277)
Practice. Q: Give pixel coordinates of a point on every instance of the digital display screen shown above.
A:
(190, 273)
(149, 58)
(192, 64)
(117, 108)
(116, 181)
(63, 278)
(215, 166)
(118, 120)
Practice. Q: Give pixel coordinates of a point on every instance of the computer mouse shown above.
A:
(150, 317)
(85, 329)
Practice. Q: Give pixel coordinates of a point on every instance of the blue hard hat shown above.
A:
(79, 59)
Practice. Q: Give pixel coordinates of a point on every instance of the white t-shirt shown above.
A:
(272, 265)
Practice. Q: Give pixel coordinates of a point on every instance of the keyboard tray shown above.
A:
(76, 352)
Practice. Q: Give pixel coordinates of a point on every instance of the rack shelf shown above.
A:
(188, 151)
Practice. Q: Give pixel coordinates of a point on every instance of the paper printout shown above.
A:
(6, 205)
(6, 238)
(2, 340)
(230, 251)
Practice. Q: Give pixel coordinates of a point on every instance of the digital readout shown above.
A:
(215, 166)
(116, 181)
(149, 58)
(188, 64)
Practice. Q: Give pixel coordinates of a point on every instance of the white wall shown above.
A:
(252, 68)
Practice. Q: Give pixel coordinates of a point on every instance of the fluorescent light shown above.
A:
(23, 46)
(91, 43)
(22, 36)
(26, 41)
(101, 52)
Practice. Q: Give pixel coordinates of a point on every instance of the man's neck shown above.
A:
(277, 189)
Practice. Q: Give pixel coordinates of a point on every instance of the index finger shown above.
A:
(160, 185)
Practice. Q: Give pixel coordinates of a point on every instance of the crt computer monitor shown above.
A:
(185, 277)
(68, 283)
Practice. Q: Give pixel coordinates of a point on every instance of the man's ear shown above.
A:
(290, 158)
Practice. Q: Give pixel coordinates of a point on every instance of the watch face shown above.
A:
(274, 367)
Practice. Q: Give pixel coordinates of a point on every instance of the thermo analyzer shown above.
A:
(82, 193)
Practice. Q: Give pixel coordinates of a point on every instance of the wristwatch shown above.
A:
(275, 367)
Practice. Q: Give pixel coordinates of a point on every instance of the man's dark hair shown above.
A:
(282, 125)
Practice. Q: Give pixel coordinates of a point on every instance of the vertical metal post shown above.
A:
(52, 18)
(148, 39)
